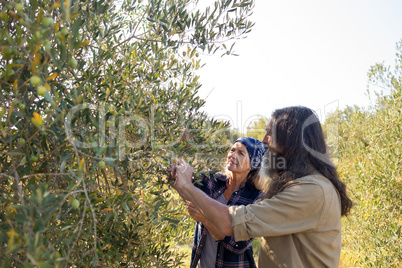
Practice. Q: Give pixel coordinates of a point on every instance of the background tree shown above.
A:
(97, 99)
(369, 146)
(257, 129)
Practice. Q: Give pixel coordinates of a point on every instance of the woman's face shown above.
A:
(238, 159)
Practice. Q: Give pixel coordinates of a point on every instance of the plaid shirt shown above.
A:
(230, 253)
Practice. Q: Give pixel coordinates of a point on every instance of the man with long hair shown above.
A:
(299, 217)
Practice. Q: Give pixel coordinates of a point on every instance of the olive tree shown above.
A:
(369, 147)
(98, 98)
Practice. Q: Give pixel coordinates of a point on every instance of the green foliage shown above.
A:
(257, 130)
(97, 99)
(370, 143)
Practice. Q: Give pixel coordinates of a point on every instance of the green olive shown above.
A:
(75, 203)
(41, 90)
(47, 22)
(38, 35)
(64, 31)
(47, 46)
(7, 53)
(35, 80)
(72, 62)
(101, 164)
(19, 7)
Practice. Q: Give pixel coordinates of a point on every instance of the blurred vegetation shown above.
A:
(257, 128)
(369, 154)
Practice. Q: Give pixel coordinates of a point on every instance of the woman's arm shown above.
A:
(196, 215)
(228, 242)
(214, 212)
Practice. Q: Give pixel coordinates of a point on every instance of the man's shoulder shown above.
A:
(316, 180)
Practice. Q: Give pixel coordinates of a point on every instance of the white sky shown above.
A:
(314, 53)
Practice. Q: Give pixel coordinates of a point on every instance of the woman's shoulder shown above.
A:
(211, 175)
(209, 180)
(253, 191)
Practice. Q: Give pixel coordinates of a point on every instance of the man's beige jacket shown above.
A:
(300, 226)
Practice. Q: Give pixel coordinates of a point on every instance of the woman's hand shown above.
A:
(194, 212)
(197, 215)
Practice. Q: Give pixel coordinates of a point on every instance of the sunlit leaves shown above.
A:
(369, 143)
(97, 99)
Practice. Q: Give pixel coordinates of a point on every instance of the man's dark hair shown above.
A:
(297, 133)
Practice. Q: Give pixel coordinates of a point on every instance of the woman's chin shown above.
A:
(231, 167)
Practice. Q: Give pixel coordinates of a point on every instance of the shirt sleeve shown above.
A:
(297, 208)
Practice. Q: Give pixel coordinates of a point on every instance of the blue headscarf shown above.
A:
(255, 150)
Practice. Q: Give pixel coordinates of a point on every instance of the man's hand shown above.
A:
(211, 213)
(172, 178)
(183, 173)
